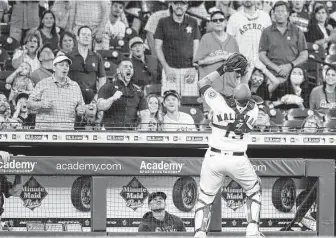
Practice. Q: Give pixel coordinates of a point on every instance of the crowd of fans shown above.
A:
(107, 65)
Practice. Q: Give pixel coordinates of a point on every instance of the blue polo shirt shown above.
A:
(178, 40)
(282, 48)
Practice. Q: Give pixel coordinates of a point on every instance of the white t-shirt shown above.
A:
(184, 123)
(34, 63)
(247, 30)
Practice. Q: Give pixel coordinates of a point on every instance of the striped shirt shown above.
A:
(65, 99)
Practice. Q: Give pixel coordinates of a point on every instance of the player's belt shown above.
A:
(233, 153)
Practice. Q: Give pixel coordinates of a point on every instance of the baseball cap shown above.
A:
(61, 58)
(170, 92)
(135, 40)
(242, 93)
(21, 95)
(46, 45)
(156, 194)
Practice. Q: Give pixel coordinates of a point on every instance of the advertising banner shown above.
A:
(137, 166)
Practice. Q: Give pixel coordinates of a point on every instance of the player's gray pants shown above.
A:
(214, 169)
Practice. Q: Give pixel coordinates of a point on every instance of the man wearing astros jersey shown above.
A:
(232, 120)
(247, 25)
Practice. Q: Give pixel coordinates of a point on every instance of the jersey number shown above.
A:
(236, 128)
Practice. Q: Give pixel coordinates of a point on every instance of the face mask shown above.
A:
(297, 79)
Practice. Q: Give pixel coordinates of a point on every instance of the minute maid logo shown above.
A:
(134, 193)
(234, 195)
(32, 194)
(160, 167)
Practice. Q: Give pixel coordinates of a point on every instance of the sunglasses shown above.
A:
(218, 20)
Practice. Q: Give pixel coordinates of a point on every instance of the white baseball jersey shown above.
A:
(230, 124)
(247, 30)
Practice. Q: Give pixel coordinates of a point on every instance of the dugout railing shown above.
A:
(118, 195)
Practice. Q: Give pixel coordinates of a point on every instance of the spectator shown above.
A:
(247, 26)
(155, 120)
(121, 100)
(57, 99)
(5, 113)
(28, 53)
(114, 27)
(282, 45)
(293, 93)
(25, 15)
(91, 119)
(46, 57)
(258, 84)
(158, 219)
(152, 24)
(61, 10)
(47, 30)
(215, 47)
(299, 15)
(174, 120)
(176, 43)
(19, 82)
(324, 96)
(88, 67)
(318, 28)
(67, 42)
(25, 119)
(312, 124)
(93, 14)
(145, 66)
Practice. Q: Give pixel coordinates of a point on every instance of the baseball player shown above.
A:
(232, 120)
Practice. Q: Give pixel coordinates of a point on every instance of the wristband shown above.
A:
(220, 70)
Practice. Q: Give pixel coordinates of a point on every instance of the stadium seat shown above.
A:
(9, 44)
(153, 89)
(112, 57)
(276, 116)
(298, 114)
(292, 125)
(4, 29)
(3, 76)
(129, 34)
(195, 112)
(330, 125)
(314, 69)
(3, 58)
(190, 101)
(119, 45)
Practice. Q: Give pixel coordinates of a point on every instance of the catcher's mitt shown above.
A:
(236, 62)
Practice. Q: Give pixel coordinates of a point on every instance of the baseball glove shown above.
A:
(236, 62)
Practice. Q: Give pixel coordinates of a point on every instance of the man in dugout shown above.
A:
(158, 219)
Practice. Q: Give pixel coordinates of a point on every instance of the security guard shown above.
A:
(121, 100)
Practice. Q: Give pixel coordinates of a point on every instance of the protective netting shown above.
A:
(128, 207)
(47, 203)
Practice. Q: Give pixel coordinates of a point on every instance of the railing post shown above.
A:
(98, 203)
(216, 219)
